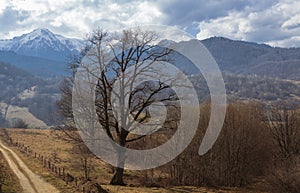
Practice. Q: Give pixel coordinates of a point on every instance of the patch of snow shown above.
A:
(41, 37)
(28, 93)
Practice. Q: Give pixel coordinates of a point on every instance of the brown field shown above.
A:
(48, 144)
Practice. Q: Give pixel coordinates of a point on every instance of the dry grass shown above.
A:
(179, 189)
(46, 143)
(34, 165)
(10, 184)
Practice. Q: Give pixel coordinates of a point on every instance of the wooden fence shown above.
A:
(58, 171)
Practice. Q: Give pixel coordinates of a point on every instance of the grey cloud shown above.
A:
(10, 18)
(185, 12)
(261, 22)
(256, 20)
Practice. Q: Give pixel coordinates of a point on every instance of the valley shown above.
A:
(257, 149)
(251, 71)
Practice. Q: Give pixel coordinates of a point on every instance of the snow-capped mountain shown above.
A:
(43, 43)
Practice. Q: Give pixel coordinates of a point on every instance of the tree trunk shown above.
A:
(117, 178)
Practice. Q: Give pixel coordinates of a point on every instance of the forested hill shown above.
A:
(239, 57)
(21, 89)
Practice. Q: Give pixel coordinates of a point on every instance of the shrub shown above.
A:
(18, 123)
(284, 175)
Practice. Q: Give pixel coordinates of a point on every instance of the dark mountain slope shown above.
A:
(240, 57)
(40, 67)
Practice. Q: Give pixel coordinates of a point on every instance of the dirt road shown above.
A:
(30, 182)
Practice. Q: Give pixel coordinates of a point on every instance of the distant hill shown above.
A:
(239, 57)
(40, 67)
(13, 80)
(253, 87)
(21, 89)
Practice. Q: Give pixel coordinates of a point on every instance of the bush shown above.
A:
(285, 175)
(3, 121)
(18, 123)
(239, 155)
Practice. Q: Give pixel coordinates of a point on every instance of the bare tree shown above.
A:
(133, 50)
(1, 177)
(235, 158)
(3, 121)
(85, 161)
(18, 123)
(284, 129)
(240, 144)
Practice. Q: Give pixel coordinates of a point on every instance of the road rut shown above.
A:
(30, 182)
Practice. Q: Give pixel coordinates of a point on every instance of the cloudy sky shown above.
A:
(275, 22)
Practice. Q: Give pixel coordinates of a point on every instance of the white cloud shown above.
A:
(234, 26)
(276, 22)
(78, 17)
(278, 25)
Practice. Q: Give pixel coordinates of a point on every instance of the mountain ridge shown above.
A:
(251, 71)
(232, 56)
(41, 42)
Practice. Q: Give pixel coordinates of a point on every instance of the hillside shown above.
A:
(13, 80)
(253, 87)
(21, 90)
(40, 67)
(240, 57)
